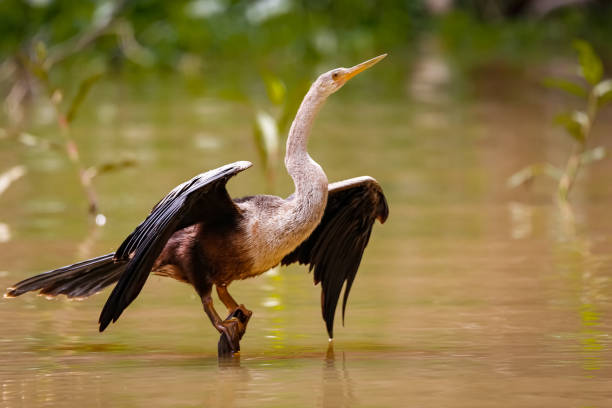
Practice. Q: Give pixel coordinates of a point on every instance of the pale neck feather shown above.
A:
(310, 197)
(304, 171)
(299, 215)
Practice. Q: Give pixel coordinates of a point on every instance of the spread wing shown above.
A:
(189, 203)
(335, 247)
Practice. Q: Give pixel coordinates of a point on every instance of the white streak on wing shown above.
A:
(348, 183)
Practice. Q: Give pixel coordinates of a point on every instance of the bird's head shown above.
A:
(331, 81)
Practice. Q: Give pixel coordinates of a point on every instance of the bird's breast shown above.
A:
(275, 230)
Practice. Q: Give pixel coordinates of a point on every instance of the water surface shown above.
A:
(470, 295)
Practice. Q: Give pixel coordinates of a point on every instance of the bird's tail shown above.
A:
(79, 280)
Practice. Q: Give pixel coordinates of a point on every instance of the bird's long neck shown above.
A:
(304, 171)
(310, 195)
(280, 231)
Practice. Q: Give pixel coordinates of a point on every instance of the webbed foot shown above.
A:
(232, 330)
(243, 315)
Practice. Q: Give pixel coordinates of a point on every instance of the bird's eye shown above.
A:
(335, 75)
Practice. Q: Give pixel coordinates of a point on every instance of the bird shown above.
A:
(199, 235)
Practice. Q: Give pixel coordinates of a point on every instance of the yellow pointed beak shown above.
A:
(351, 72)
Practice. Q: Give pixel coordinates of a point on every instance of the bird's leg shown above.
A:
(226, 298)
(238, 311)
(231, 329)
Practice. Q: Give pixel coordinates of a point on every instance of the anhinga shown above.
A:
(199, 235)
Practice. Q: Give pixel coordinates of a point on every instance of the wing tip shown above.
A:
(243, 164)
(383, 214)
(382, 210)
(107, 315)
(103, 323)
(10, 293)
(330, 328)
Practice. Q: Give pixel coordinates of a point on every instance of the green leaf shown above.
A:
(109, 167)
(265, 132)
(591, 67)
(593, 155)
(41, 52)
(528, 173)
(575, 124)
(276, 89)
(565, 85)
(603, 92)
(266, 138)
(84, 88)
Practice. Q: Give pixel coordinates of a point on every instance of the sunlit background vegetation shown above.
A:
(488, 126)
(262, 54)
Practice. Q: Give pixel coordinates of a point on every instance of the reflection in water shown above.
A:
(229, 361)
(577, 258)
(521, 216)
(590, 341)
(232, 382)
(566, 221)
(85, 248)
(272, 285)
(336, 384)
(53, 388)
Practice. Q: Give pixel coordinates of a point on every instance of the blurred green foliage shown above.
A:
(472, 40)
(265, 52)
(595, 92)
(190, 35)
(293, 31)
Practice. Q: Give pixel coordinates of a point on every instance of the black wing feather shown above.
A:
(335, 248)
(190, 202)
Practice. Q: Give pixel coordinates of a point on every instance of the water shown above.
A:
(470, 295)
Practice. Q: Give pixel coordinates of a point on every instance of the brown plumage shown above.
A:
(199, 235)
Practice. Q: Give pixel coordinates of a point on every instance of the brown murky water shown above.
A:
(471, 295)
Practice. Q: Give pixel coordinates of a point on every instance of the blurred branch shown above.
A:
(576, 158)
(528, 173)
(132, 49)
(39, 61)
(81, 41)
(578, 124)
(10, 176)
(19, 96)
(72, 151)
(63, 120)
